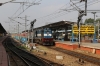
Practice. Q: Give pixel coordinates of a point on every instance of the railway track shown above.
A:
(30, 59)
(51, 63)
(82, 57)
(15, 60)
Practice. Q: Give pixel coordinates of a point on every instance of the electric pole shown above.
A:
(25, 18)
(98, 31)
(25, 24)
(94, 41)
(81, 14)
(31, 28)
(18, 32)
(94, 16)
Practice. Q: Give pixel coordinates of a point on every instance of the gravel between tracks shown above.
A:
(67, 60)
(51, 54)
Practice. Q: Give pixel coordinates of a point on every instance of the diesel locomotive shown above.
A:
(43, 36)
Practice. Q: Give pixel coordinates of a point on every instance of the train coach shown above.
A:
(21, 38)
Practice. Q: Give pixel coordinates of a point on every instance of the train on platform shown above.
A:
(43, 36)
(46, 35)
(20, 37)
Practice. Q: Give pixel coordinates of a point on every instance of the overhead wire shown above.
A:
(60, 13)
(56, 13)
(16, 21)
(56, 16)
(17, 9)
(53, 17)
(52, 14)
(26, 8)
(82, 5)
(90, 3)
(29, 6)
(75, 6)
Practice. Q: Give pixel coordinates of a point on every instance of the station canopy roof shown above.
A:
(2, 30)
(57, 25)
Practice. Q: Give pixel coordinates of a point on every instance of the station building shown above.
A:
(61, 30)
(2, 31)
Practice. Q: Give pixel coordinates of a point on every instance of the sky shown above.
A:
(45, 12)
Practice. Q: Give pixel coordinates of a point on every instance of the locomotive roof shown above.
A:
(56, 25)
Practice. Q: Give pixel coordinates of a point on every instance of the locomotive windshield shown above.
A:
(47, 33)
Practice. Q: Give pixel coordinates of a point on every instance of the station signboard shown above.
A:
(84, 29)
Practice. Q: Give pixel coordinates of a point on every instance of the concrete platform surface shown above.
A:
(3, 54)
(91, 45)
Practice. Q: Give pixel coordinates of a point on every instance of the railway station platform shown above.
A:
(89, 47)
(3, 54)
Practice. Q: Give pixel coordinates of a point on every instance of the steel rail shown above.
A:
(81, 56)
(34, 61)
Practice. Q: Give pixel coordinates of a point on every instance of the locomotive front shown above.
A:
(47, 37)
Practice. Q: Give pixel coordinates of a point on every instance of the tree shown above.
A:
(89, 21)
(97, 20)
